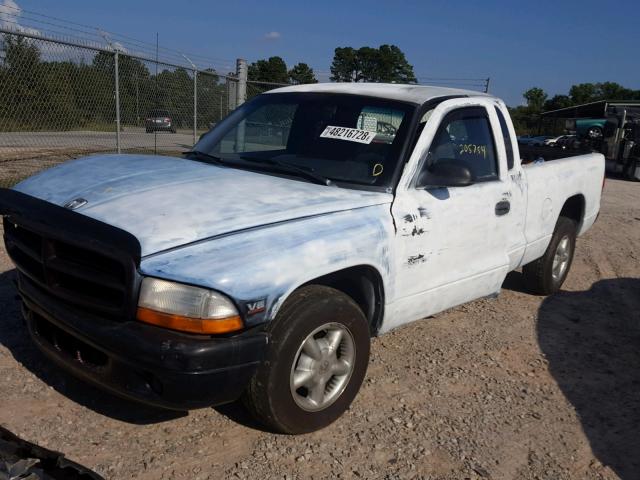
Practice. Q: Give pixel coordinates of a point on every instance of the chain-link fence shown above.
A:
(60, 100)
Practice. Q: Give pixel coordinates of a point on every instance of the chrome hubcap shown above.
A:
(561, 258)
(322, 367)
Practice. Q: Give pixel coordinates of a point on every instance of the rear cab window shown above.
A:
(507, 138)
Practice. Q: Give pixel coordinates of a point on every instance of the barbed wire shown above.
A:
(27, 21)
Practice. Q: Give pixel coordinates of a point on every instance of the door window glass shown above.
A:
(465, 137)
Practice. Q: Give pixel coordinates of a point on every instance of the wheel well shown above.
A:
(573, 208)
(364, 285)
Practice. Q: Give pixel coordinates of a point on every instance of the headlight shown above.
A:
(186, 308)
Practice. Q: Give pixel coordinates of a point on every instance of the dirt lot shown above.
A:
(521, 387)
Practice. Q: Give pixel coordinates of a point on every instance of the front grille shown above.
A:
(67, 345)
(77, 275)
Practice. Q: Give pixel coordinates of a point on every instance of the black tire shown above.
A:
(594, 133)
(539, 275)
(269, 396)
(630, 169)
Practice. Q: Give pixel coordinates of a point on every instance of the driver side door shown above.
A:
(448, 242)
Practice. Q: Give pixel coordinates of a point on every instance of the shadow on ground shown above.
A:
(515, 282)
(236, 412)
(15, 337)
(592, 342)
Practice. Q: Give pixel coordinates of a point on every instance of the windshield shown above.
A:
(344, 138)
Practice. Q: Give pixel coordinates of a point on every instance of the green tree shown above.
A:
(134, 81)
(95, 89)
(393, 66)
(302, 73)
(212, 98)
(583, 93)
(273, 70)
(613, 91)
(366, 64)
(346, 65)
(535, 98)
(21, 93)
(175, 94)
(557, 102)
(20, 53)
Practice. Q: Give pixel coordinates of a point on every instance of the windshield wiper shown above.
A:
(282, 166)
(205, 155)
(291, 168)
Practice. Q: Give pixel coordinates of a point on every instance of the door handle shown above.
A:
(503, 207)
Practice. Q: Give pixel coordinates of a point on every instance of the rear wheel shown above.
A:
(316, 362)
(594, 133)
(546, 275)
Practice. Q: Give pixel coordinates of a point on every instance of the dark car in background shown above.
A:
(536, 141)
(159, 121)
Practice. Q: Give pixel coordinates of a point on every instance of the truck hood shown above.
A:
(167, 202)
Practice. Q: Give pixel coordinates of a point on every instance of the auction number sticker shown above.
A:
(349, 134)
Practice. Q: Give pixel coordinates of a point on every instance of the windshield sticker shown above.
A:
(349, 134)
(377, 169)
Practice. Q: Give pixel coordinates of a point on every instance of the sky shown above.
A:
(518, 44)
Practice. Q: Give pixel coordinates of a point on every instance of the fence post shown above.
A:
(486, 85)
(195, 105)
(241, 96)
(195, 97)
(241, 89)
(117, 81)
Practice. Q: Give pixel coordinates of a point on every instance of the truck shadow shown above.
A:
(515, 282)
(15, 337)
(592, 342)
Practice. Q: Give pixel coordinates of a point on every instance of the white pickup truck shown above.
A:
(309, 220)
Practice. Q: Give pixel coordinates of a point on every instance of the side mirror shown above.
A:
(447, 173)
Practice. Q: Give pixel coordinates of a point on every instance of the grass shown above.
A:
(9, 182)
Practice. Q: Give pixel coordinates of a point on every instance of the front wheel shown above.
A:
(546, 275)
(316, 362)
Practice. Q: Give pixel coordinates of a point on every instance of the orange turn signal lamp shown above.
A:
(188, 324)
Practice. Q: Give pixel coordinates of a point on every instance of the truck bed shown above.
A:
(550, 185)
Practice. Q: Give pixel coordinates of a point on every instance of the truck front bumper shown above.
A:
(149, 364)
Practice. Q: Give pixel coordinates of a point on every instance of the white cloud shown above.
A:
(10, 18)
(10, 13)
(272, 35)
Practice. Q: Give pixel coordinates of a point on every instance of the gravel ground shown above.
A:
(521, 387)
